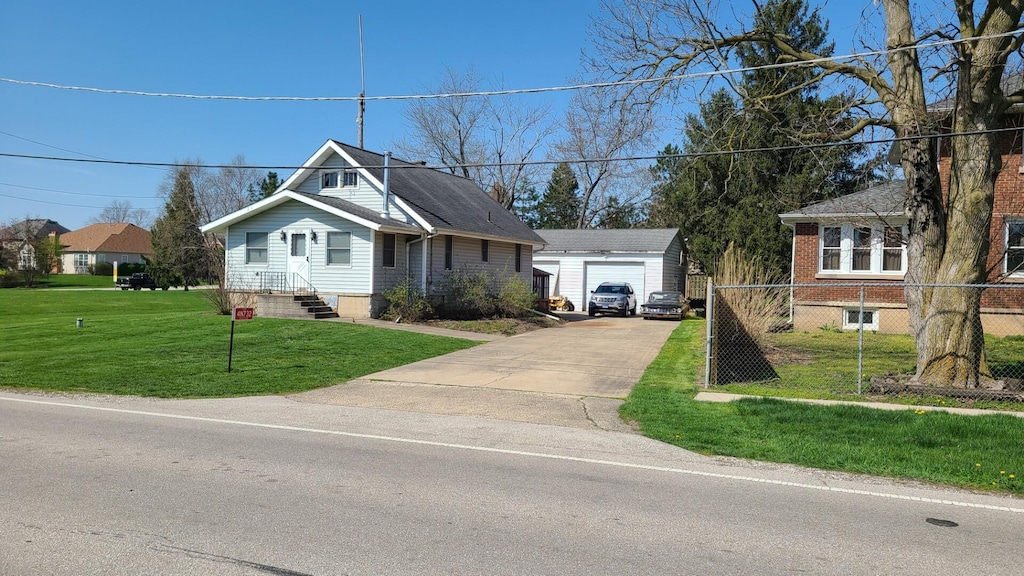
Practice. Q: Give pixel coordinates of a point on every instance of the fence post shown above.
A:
(710, 316)
(860, 343)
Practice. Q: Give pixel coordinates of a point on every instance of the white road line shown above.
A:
(530, 454)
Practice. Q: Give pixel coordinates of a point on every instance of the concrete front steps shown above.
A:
(293, 306)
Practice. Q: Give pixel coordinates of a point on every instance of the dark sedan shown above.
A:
(665, 305)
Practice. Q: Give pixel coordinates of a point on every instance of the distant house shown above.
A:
(122, 242)
(351, 224)
(17, 239)
(579, 260)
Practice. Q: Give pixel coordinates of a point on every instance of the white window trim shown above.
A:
(846, 250)
(328, 249)
(1006, 247)
(265, 248)
(873, 325)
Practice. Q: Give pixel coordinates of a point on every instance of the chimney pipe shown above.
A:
(387, 190)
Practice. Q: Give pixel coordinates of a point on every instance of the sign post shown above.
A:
(237, 314)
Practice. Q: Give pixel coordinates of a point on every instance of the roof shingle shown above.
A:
(612, 240)
(104, 237)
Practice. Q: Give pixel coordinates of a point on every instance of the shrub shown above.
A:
(102, 269)
(406, 302)
(466, 295)
(514, 297)
(130, 268)
(225, 300)
(10, 279)
(757, 311)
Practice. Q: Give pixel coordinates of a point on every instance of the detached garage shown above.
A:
(579, 260)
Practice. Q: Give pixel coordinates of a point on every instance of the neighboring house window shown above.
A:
(1015, 247)
(483, 251)
(519, 257)
(328, 180)
(862, 249)
(351, 178)
(339, 248)
(125, 258)
(449, 247)
(101, 257)
(81, 260)
(851, 319)
(255, 247)
(389, 250)
(831, 247)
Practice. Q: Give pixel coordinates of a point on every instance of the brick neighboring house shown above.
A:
(14, 242)
(122, 242)
(859, 238)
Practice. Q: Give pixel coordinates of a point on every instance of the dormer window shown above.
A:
(336, 178)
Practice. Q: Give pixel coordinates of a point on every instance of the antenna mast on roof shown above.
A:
(362, 86)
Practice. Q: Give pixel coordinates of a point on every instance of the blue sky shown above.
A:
(252, 48)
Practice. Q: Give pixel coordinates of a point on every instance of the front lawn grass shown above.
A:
(968, 451)
(172, 345)
(74, 281)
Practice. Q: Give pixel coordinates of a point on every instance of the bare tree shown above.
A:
(948, 243)
(122, 211)
(601, 127)
(463, 133)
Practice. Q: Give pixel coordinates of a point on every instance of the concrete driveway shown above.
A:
(574, 375)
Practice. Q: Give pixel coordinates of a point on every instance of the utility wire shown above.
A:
(57, 203)
(73, 193)
(571, 87)
(680, 155)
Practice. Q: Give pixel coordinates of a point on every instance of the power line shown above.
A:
(805, 146)
(57, 203)
(71, 193)
(570, 87)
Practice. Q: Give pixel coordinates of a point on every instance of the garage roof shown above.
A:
(655, 240)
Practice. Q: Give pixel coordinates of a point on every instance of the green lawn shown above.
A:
(970, 451)
(171, 344)
(74, 281)
(824, 365)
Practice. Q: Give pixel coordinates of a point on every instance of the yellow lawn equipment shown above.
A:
(561, 304)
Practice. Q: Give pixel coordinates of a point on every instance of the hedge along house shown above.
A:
(579, 260)
(351, 224)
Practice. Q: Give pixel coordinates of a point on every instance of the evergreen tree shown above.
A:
(266, 187)
(722, 199)
(180, 252)
(560, 205)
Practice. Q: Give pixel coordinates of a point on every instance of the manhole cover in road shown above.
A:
(941, 522)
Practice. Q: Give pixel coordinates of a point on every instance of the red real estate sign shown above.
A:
(244, 313)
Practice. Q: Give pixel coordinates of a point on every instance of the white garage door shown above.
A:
(597, 272)
(551, 267)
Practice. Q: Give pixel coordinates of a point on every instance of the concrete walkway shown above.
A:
(575, 375)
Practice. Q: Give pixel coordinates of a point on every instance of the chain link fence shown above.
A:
(854, 341)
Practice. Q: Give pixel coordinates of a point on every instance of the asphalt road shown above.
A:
(274, 486)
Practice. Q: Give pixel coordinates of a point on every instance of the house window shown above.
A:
(1015, 248)
(81, 260)
(483, 251)
(351, 178)
(519, 257)
(101, 257)
(831, 247)
(851, 319)
(298, 245)
(862, 250)
(328, 180)
(339, 248)
(449, 248)
(255, 247)
(389, 250)
(892, 250)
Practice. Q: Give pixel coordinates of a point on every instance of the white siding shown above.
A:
(365, 194)
(353, 279)
(386, 278)
(673, 267)
(572, 277)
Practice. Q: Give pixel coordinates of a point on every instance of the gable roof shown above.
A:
(38, 227)
(611, 240)
(885, 199)
(104, 237)
(337, 206)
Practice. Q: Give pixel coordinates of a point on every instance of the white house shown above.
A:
(351, 224)
(579, 260)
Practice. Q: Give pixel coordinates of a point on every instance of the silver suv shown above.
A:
(617, 297)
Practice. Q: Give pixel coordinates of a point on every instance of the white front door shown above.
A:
(298, 259)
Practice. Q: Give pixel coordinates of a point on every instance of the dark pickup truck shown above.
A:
(137, 281)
